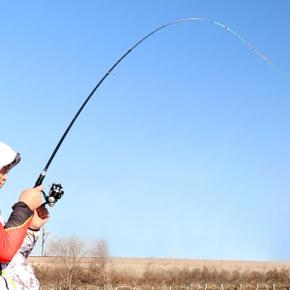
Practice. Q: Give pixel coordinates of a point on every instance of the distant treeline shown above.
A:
(187, 276)
(97, 275)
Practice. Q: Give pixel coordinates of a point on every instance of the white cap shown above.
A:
(8, 156)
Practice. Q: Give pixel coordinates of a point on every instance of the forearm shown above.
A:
(29, 242)
(14, 231)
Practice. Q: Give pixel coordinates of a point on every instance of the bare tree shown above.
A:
(66, 258)
(97, 266)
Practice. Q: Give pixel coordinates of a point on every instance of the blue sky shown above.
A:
(184, 150)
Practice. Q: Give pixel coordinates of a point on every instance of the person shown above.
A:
(19, 234)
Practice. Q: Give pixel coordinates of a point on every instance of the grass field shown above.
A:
(139, 265)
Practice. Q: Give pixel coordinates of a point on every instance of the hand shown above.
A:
(32, 197)
(40, 217)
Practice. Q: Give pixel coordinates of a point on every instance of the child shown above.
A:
(19, 234)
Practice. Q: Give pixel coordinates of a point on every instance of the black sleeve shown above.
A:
(21, 213)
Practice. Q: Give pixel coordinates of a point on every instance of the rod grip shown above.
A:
(39, 180)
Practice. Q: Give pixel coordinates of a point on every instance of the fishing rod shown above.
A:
(56, 190)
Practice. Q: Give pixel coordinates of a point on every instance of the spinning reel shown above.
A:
(55, 193)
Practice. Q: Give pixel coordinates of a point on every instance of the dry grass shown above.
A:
(137, 266)
(175, 272)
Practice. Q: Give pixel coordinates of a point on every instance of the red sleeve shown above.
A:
(14, 231)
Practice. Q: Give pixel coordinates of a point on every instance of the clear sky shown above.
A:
(184, 151)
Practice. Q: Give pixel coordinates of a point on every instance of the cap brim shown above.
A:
(8, 157)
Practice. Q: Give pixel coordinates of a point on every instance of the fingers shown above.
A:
(39, 187)
(32, 197)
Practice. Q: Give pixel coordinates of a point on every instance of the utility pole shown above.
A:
(44, 236)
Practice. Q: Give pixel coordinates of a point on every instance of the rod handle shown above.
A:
(40, 179)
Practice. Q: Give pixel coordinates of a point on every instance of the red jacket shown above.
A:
(14, 231)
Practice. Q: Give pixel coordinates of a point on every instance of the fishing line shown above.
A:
(183, 20)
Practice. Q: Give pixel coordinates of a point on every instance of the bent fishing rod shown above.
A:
(56, 191)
